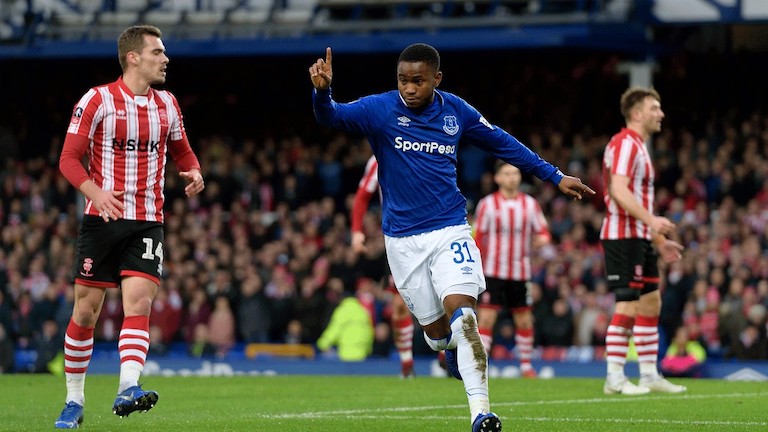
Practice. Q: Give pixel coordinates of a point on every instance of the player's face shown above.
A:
(652, 115)
(416, 83)
(152, 60)
(508, 178)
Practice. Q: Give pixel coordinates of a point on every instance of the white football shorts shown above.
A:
(430, 266)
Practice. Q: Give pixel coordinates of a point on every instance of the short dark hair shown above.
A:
(132, 39)
(421, 52)
(634, 96)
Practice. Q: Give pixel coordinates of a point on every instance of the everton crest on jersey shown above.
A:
(451, 126)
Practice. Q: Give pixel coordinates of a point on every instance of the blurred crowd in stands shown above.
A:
(263, 255)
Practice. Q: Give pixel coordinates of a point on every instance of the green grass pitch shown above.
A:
(384, 404)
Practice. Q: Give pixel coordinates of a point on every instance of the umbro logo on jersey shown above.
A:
(403, 121)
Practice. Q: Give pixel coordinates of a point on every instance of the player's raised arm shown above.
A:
(321, 72)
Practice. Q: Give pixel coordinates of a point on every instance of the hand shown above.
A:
(321, 72)
(358, 242)
(661, 225)
(108, 204)
(670, 251)
(195, 183)
(573, 187)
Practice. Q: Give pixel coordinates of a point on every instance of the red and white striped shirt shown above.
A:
(370, 180)
(368, 186)
(627, 155)
(504, 230)
(129, 137)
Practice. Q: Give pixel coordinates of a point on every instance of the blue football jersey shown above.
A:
(416, 151)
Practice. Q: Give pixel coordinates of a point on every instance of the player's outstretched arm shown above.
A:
(572, 186)
(321, 72)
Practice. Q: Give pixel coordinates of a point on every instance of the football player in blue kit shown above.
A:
(415, 132)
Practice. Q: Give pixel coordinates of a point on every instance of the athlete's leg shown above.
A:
(646, 337)
(623, 258)
(645, 332)
(78, 348)
(138, 293)
(78, 341)
(617, 336)
(486, 319)
(616, 346)
(524, 340)
(470, 353)
(402, 327)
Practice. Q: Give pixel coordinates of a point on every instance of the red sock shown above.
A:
(78, 347)
(133, 347)
(486, 336)
(404, 339)
(646, 337)
(524, 342)
(617, 341)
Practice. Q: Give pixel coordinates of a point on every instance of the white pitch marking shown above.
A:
(364, 413)
(543, 419)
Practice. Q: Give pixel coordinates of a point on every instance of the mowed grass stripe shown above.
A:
(385, 404)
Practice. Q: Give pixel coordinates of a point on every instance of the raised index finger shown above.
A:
(328, 56)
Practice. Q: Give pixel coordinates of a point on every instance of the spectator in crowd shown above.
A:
(110, 318)
(7, 352)
(221, 326)
(350, 330)
(200, 346)
(557, 326)
(167, 310)
(685, 357)
(47, 346)
(198, 311)
(749, 345)
(253, 316)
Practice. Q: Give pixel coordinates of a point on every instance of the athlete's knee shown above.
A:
(454, 302)
(85, 313)
(438, 344)
(649, 304)
(464, 330)
(626, 294)
(138, 306)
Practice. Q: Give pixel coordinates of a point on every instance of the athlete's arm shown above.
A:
(618, 188)
(480, 226)
(669, 250)
(542, 236)
(70, 165)
(359, 208)
(188, 164)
